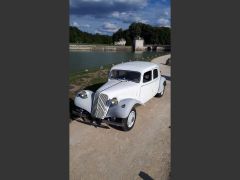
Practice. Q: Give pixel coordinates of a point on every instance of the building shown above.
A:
(121, 42)
(138, 44)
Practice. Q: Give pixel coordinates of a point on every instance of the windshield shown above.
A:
(125, 75)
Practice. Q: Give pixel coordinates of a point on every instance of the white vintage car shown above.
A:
(129, 84)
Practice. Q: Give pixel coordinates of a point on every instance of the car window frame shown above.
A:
(150, 74)
(157, 74)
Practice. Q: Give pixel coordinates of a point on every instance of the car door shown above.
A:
(156, 81)
(147, 86)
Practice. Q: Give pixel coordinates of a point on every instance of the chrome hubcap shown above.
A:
(131, 119)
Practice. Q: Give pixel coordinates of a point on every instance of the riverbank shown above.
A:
(80, 47)
(88, 79)
(104, 47)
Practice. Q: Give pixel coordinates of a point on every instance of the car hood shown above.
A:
(120, 89)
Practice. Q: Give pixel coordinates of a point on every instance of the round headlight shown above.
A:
(114, 101)
(82, 94)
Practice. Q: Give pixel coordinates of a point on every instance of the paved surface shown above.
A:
(142, 153)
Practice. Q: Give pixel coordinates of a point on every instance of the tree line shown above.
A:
(150, 34)
(78, 36)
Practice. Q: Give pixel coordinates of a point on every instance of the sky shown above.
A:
(107, 16)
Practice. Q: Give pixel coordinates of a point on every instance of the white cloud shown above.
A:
(116, 14)
(109, 27)
(76, 24)
(128, 17)
(86, 25)
(145, 21)
(97, 31)
(164, 22)
(166, 12)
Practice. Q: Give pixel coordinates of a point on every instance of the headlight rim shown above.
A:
(112, 102)
(83, 94)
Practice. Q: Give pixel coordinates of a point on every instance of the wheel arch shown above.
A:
(123, 108)
(162, 83)
(85, 104)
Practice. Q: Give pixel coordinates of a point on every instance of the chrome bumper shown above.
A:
(95, 121)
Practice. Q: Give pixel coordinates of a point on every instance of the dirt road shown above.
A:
(143, 152)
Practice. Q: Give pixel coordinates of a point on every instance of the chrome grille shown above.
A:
(94, 104)
(100, 107)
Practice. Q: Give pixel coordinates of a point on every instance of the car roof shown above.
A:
(140, 66)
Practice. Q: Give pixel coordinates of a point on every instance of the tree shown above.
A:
(150, 34)
(77, 36)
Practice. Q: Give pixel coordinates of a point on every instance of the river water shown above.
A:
(81, 60)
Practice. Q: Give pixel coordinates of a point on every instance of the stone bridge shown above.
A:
(154, 47)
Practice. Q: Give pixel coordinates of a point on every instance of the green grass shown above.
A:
(73, 77)
(98, 80)
(91, 79)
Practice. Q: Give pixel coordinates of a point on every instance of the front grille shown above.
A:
(100, 107)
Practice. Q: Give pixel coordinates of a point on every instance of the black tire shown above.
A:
(126, 126)
(162, 93)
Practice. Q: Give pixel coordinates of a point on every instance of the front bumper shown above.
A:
(92, 120)
(80, 112)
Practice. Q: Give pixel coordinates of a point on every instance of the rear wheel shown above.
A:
(129, 122)
(161, 93)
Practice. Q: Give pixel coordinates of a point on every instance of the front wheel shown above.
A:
(129, 122)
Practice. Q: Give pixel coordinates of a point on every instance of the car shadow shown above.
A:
(94, 87)
(91, 124)
(71, 107)
(119, 128)
(145, 176)
(167, 77)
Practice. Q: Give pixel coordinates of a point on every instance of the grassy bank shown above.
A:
(91, 79)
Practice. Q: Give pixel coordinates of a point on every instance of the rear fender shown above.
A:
(123, 108)
(85, 104)
(161, 84)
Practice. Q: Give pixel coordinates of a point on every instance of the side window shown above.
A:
(155, 73)
(147, 76)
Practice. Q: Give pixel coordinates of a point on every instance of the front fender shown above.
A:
(85, 104)
(122, 109)
(161, 84)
